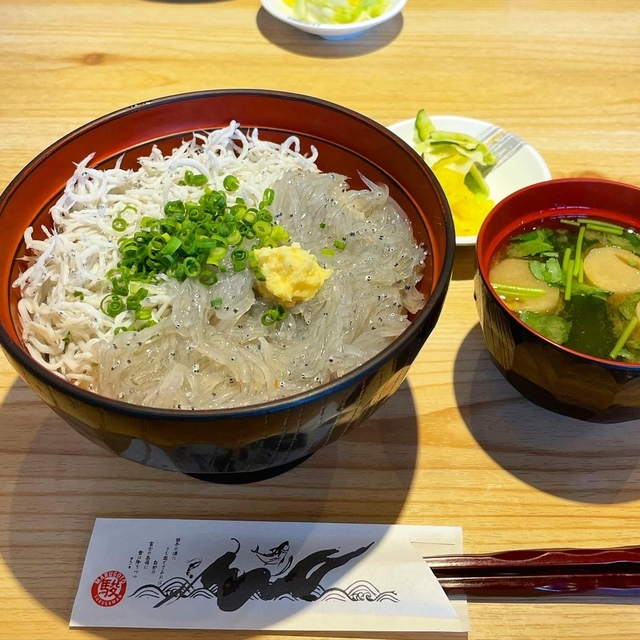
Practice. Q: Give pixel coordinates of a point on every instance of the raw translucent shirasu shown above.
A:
(198, 356)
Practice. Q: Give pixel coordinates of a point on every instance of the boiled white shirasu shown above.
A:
(198, 356)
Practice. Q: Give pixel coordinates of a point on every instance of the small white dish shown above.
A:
(278, 9)
(519, 164)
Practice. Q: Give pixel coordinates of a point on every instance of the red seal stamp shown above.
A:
(109, 588)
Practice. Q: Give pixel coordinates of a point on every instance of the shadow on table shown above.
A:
(464, 266)
(57, 483)
(306, 44)
(576, 460)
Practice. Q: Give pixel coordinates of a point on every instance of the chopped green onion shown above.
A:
(169, 225)
(250, 216)
(171, 247)
(339, 244)
(167, 261)
(216, 254)
(216, 303)
(143, 314)
(78, 294)
(624, 336)
(112, 305)
(156, 245)
(274, 315)
(140, 237)
(269, 318)
(262, 228)
(133, 302)
(119, 224)
(192, 267)
(189, 246)
(178, 273)
(173, 209)
(253, 264)
(204, 242)
(192, 179)
(129, 250)
(280, 234)
(269, 241)
(327, 252)
(235, 237)
(238, 211)
(208, 277)
(268, 196)
(192, 240)
(322, 225)
(120, 286)
(239, 255)
(231, 183)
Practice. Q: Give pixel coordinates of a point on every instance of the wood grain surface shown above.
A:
(456, 445)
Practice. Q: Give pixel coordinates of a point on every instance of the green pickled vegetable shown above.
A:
(337, 11)
(453, 150)
(475, 182)
(423, 126)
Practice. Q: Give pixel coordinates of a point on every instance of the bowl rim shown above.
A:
(434, 300)
(548, 184)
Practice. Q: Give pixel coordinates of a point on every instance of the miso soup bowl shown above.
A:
(550, 375)
(253, 442)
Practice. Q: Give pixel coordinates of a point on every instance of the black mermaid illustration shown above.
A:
(277, 577)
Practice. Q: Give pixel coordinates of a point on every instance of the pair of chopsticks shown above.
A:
(528, 572)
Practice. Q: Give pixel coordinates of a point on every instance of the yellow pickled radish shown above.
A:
(468, 210)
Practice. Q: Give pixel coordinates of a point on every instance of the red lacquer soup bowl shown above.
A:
(252, 442)
(554, 376)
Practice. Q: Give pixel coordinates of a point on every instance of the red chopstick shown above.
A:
(527, 572)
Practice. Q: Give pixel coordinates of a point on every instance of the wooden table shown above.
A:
(456, 445)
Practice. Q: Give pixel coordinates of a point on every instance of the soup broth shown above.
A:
(576, 281)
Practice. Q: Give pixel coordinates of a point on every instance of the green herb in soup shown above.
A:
(576, 281)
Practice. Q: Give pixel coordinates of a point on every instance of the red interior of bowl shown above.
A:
(348, 143)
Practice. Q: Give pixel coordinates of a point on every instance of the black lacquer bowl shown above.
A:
(551, 375)
(246, 444)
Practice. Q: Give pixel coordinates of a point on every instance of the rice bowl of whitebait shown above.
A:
(220, 283)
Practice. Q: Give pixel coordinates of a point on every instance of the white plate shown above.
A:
(519, 164)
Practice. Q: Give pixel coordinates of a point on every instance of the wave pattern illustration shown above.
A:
(278, 578)
(362, 590)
